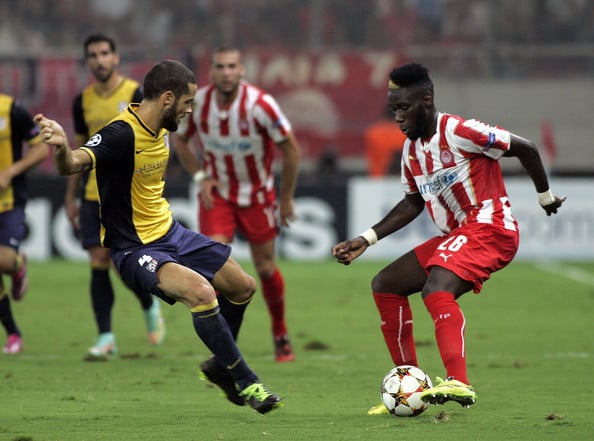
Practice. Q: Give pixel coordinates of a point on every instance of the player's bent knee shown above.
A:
(378, 284)
(247, 292)
(195, 298)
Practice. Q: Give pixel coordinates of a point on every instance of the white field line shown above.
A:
(572, 273)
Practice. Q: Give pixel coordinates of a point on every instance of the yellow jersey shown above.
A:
(130, 160)
(16, 127)
(91, 111)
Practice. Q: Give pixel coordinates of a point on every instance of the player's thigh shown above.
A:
(99, 256)
(442, 279)
(232, 281)
(184, 285)
(12, 232)
(404, 276)
(7, 259)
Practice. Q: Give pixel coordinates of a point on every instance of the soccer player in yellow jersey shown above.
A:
(150, 249)
(94, 107)
(16, 128)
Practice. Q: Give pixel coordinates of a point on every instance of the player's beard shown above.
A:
(228, 90)
(170, 118)
(103, 75)
(420, 126)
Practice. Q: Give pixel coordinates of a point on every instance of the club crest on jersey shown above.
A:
(149, 263)
(93, 140)
(446, 157)
(3, 123)
(122, 106)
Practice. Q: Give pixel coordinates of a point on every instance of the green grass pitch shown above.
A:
(529, 336)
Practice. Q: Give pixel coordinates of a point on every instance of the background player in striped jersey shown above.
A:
(239, 126)
(450, 166)
(94, 107)
(16, 127)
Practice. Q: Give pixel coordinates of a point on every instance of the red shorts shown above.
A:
(257, 223)
(473, 252)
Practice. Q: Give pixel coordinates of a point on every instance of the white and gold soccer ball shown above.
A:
(401, 390)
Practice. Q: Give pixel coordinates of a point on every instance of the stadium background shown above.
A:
(527, 66)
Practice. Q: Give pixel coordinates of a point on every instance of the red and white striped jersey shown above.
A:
(458, 174)
(238, 143)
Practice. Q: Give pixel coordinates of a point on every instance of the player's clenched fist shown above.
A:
(51, 132)
(347, 251)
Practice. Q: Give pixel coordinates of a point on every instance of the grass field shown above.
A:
(530, 345)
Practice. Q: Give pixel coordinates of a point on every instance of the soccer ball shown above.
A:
(401, 390)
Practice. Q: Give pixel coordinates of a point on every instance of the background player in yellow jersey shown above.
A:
(150, 249)
(16, 127)
(96, 105)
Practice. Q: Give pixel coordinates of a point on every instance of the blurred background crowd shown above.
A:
(354, 23)
(33, 25)
(470, 46)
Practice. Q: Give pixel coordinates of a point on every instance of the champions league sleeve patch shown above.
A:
(93, 140)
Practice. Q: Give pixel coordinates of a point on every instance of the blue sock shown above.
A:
(102, 298)
(233, 313)
(6, 317)
(214, 331)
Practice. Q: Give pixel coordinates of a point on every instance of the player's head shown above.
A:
(410, 96)
(101, 56)
(226, 69)
(174, 86)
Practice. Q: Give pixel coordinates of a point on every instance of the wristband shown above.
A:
(370, 236)
(199, 176)
(546, 198)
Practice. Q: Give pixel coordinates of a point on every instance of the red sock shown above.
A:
(449, 332)
(273, 290)
(397, 327)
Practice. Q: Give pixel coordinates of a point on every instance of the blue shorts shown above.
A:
(12, 227)
(138, 266)
(90, 226)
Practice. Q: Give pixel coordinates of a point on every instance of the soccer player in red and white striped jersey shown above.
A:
(450, 166)
(240, 127)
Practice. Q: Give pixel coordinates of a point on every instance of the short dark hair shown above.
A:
(168, 75)
(412, 74)
(99, 38)
(223, 49)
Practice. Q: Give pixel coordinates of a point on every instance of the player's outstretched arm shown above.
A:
(527, 153)
(401, 215)
(68, 162)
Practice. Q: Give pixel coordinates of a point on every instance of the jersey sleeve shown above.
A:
(269, 115)
(407, 181)
(474, 136)
(110, 145)
(23, 125)
(80, 126)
